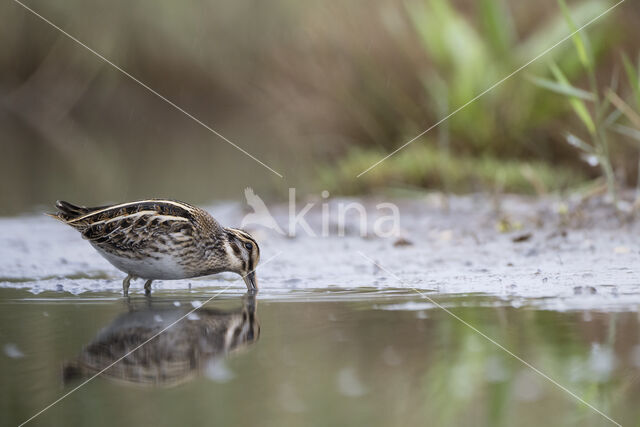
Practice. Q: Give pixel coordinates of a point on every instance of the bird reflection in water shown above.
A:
(175, 356)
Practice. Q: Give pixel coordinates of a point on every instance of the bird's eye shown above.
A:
(248, 246)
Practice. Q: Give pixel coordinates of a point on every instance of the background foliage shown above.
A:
(316, 90)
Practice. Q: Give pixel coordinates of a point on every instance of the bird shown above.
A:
(176, 354)
(159, 239)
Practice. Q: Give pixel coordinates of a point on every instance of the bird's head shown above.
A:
(243, 255)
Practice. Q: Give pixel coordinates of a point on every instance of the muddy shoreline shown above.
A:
(545, 251)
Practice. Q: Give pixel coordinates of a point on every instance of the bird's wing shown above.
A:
(138, 224)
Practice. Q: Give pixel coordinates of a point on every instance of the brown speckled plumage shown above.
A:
(163, 239)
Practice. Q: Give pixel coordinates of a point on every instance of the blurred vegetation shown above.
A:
(606, 109)
(509, 138)
(425, 166)
(303, 86)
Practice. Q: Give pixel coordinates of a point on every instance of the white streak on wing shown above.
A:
(180, 237)
(153, 215)
(171, 218)
(119, 218)
(169, 202)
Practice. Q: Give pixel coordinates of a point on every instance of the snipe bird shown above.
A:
(163, 239)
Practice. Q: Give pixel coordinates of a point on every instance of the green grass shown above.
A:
(595, 116)
(427, 167)
(459, 46)
(500, 142)
(599, 111)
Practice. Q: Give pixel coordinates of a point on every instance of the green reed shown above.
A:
(598, 111)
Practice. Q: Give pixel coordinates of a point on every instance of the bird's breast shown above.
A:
(151, 265)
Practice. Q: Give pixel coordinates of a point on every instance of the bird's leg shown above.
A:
(125, 285)
(147, 287)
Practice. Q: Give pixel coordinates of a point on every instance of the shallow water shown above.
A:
(312, 358)
(335, 339)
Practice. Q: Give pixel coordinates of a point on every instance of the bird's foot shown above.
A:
(125, 285)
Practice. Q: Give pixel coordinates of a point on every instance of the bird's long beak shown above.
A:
(251, 281)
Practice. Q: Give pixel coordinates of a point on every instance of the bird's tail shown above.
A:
(68, 211)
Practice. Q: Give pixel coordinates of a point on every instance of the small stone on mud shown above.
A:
(522, 238)
(578, 290)
(402, 242)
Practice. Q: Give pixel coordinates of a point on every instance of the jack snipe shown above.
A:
(163, 239)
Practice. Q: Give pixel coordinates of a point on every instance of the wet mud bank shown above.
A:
(557, 253)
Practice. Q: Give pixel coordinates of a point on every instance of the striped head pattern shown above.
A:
(244, 254)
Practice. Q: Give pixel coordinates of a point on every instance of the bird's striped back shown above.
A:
(79, 216)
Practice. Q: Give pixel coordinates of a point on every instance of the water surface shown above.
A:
(325, 357)
(333, 338)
